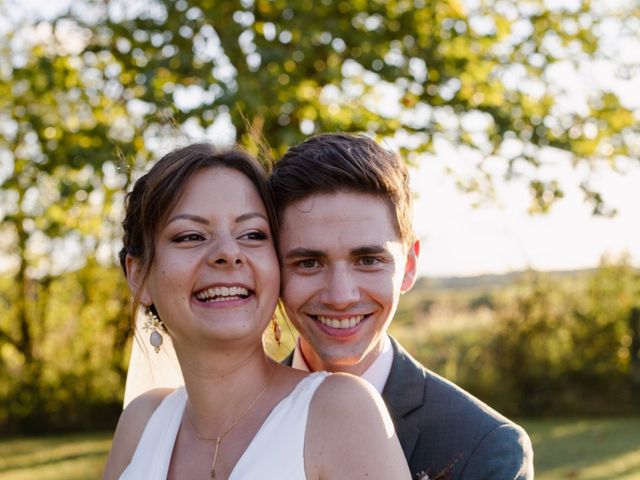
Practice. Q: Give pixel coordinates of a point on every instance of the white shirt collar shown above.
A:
(377, 373)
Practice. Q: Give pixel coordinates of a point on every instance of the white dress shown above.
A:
(276, 451)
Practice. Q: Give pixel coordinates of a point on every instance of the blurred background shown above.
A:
(519, 119)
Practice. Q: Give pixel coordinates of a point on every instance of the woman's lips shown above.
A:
(222, 293)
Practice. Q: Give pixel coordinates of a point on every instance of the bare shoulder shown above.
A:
(135, 417)
(348, 390)
(148, 401)
(346, 398)
(131, 424)
(345, 381)
(350, 434)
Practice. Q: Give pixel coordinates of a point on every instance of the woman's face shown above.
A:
(215, 273)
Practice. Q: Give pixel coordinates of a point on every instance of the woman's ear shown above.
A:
(411, 267)
(134, 277)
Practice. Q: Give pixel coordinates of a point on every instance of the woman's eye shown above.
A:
(188, 237)
(257, 235)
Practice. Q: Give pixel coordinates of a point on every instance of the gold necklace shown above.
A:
(219, 438)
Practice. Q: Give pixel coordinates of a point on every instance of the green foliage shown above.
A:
(80, 350)
(561, 352)
(544, 346)
(477, 77)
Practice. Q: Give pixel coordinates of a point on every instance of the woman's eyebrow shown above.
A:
(248, 216)
(197, 218)
(188, 216)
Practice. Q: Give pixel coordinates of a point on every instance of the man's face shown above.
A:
(344, 267)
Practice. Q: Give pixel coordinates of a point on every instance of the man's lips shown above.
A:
(341, 323)
(223, 293)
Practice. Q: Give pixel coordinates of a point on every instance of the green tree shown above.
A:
(559, 348)
(62, 132)
(480, 77)
(551, 345)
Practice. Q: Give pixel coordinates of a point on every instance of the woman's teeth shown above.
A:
(342, 323)
(219, 294)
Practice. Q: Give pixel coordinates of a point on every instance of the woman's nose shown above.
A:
(226, 252)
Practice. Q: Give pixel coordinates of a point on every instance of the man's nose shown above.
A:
(341, 290)
(226, 252)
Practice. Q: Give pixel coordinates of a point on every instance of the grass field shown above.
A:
(68, 457)
(564, 449)
(586, 449)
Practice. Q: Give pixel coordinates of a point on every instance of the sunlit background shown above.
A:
(520, 123)
(501, 236)
(466, 234)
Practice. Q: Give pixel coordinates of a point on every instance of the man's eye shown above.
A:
(369, 261)
(309, 263)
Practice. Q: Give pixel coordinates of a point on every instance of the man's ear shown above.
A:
(134, 274)
(411, 267)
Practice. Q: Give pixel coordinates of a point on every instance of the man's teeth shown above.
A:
(342, 323)
(219, 294)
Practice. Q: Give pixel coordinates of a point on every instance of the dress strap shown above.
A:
(153, 453)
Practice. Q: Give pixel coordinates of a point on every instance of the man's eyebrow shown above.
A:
(368, 250)
(188, 216)
(304, 252)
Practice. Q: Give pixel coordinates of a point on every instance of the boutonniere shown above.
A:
(444, 474)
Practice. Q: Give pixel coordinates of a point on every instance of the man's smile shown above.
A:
(341, 323)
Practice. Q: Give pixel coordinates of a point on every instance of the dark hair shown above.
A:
(156, 193)
(338, 162)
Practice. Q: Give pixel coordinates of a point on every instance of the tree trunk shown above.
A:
(634, 328)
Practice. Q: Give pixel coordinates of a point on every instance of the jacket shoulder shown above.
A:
(453, 429)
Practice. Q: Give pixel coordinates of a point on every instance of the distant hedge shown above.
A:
(555, 347)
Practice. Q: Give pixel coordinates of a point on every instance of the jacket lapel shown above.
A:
(403, 393)
(288, 360)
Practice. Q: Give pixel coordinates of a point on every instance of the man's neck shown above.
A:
(315, 363)
(376, 371)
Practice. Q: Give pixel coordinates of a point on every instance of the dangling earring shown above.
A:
(277, 333)
(154, 324)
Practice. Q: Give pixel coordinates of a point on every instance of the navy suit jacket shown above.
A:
(446, 432)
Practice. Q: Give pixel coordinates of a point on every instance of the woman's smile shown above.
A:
(219, 294)
(224, 296)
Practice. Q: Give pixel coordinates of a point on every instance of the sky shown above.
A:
(500, 235)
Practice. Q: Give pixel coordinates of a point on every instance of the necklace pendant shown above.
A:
(213, 474)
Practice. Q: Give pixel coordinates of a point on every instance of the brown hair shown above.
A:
(156, 193)
(335, 162)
